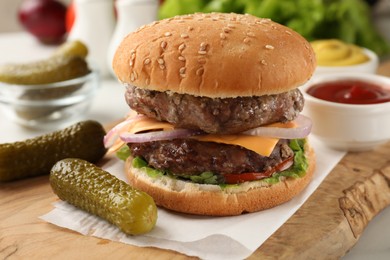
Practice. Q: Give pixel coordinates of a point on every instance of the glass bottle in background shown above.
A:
(131, 14)
(94, 25)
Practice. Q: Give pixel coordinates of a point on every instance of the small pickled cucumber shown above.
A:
(96, 191)
(36, 156)
(67, 62)
(54, 69)
(72, 48)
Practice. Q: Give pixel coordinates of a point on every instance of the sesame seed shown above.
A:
(146, 61)
(132, 56)
(131, 63)
(167, 34)
(160, 61)
(202, 52)
(132, 77)
(163, 45)
(263, 21)
(263, 62)
(203, 46)
(135, 75)
(250, 34)
(247, 40)
(184, 35)
(182, 46)
(269, 47)
(183, 75)
(182, 58)
(132, 51)
(288, 32)
(162, 66)
(182, 70)
(147, 81)
(222, 36)
(231, 26)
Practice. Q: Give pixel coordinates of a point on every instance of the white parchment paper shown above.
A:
(205, 237)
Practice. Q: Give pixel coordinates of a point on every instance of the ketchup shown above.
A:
(350, 92)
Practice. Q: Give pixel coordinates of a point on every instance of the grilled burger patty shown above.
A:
(215, 115)
(192, 157)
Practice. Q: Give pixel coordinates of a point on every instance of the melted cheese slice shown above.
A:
(148, 124)
(261, 145)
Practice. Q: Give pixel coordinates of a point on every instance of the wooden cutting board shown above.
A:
(328, 224)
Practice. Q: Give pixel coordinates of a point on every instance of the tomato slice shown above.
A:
(234, 178)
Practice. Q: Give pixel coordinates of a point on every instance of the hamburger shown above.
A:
(216, 126)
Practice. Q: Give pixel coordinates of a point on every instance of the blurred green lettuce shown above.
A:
(347, 20)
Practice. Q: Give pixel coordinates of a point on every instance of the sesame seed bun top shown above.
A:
(215, 55)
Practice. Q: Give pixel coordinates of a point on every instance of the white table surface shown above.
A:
(109, 105)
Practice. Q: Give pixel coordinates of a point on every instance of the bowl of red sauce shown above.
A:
(349, 111)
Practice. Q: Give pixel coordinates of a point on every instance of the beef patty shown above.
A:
(192, 157)
(215, 115)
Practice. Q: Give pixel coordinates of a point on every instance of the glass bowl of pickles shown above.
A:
(51, 92)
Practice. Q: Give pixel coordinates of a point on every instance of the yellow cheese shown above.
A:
(148, 124)
(261, 145)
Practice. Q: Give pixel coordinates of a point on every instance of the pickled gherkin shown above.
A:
(36, 156)
(54, 69)
(96, 191)
(72, 48)
(67, 62)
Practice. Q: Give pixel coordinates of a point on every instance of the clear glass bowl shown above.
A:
(49, 106)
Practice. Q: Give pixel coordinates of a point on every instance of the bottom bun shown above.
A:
(212, 200)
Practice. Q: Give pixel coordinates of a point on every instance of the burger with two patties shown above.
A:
(215, 127)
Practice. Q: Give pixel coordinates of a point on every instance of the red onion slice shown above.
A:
(158, 135)
(302, 130)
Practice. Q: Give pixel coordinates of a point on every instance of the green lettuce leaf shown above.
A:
(123, 153)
